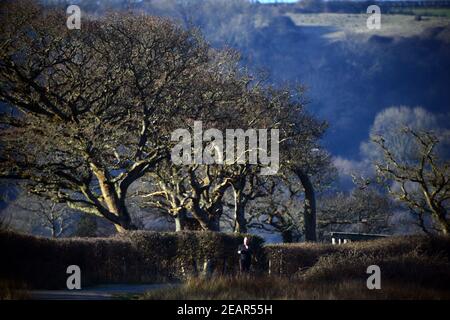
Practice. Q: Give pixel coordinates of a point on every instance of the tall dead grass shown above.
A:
(411, 268)
(282, 288)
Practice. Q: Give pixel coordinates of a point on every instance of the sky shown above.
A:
(279, 1)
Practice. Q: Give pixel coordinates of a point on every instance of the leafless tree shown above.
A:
(200, 190)
(420, 181)
(92, 109)
(5, 222)
(364, 209)
(278, 210)
(91, 112)
(55, 218)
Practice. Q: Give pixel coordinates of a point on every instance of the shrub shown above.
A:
(413, 267)
(415, 260)
(192, 253)
(132, 257)
(149, 257)
(292, 258)
(11, 290)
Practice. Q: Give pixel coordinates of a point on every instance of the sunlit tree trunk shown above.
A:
(180, 220)
(112, 200)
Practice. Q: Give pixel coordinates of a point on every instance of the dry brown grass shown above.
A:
(393, 253)
(282, 288)
(411, 268)
(12, 290)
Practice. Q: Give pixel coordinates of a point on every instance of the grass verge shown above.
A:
(283, 288)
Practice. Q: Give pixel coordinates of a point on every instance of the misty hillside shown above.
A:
(353, 74)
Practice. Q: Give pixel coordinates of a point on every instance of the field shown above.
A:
(354, 25)
(434, 12)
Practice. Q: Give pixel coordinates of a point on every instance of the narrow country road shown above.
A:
(100, 292)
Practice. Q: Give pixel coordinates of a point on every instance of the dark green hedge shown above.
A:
(149, 257)
(294, 259)
(130, 258)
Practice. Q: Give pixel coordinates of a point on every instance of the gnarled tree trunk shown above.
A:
(239, 212)
(309, 208)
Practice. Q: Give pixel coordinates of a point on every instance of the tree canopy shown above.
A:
(89, 112)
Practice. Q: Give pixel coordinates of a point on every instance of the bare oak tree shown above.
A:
(91, 109)
(365, 209)
(421, 181)
(54, 217)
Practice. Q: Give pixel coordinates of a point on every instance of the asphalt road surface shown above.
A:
(101, 292)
